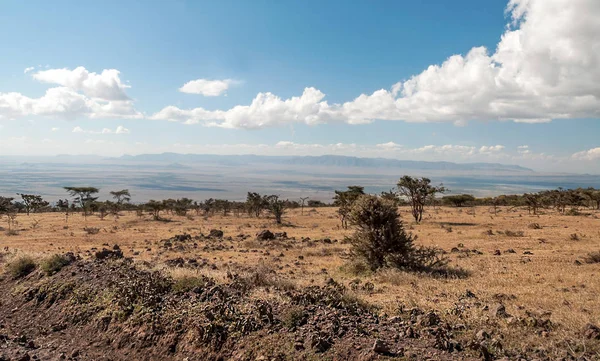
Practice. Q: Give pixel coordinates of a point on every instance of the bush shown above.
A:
(55, 263)
(188, 283)
(510, 233)
(91, 230)
(381, 241)
(535, 226)
(593, 257)
(294, 317)
(21, 266)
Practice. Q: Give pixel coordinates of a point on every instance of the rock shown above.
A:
(591, 332)
(510, 250)
(482, 335)
(428, 319)
(215, 233)
(282, 235)
(265, 235)
(381, 347)
(498, 310)
(497, 252)
(109, 254)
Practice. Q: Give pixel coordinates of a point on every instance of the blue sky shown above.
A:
(407, 80)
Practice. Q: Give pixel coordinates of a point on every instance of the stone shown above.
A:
(498, 310)
(380, 347)
(265, 235)
(215, 233)
(591, 332)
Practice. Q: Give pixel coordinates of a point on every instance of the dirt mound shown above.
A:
(109, 308)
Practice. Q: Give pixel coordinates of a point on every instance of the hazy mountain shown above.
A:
(324, 160)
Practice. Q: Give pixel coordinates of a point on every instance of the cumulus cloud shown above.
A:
(27, 70)
(120, 130)
(491, 149)
(590, 154)
(208, 88)
(546, 66)
(81, 94)
(106, 85)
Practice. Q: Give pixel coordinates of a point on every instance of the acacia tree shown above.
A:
(154, 207)
(345, 199)
(83, 196)
(32, 202)
(121, 196)
(418, 191)
(302, 200)
(256, 203)
(276, 207)
(459, 200)
(8, 209)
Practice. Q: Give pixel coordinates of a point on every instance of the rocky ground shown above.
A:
(107, 308)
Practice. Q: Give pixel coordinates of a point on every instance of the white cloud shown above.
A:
(208, 88)
(55, 129)
(81, 94)
(546, 66)
(105, 86)
(590, 154)
(120, 130)
(27, 70)
(389, 145)
(491, 149)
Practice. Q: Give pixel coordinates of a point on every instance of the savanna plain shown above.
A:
(198, 287)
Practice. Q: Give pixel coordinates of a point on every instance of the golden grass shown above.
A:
(541, 276)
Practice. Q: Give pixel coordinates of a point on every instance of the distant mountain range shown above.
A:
(180, 160)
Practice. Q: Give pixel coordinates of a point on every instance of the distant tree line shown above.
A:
(417, 193)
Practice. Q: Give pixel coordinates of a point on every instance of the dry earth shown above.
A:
(522, 289)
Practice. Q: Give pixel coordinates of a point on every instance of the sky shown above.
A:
(504, 81)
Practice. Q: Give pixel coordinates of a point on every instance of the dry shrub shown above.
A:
(21, 266)
(593, 257)
(535, 226)
(381, 241)
(356, 267)
(55, 263)
(510, 233)
(91, 230)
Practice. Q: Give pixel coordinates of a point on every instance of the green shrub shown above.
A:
(381, 241)
(188, 283)
(21, 266)
(294, 317)
(54, 264)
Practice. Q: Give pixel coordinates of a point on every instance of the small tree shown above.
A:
(154, 207)
(302, 200)
(418, 191)
(380, 238)
(345, 199)
(8, 209)
(256, 203)
(276, 207)
(122, 196)
(459, 200)
(33, 203)
(83, 196)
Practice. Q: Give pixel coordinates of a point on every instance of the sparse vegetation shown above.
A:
(55, 263)
(21, 266)
(380, 238)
